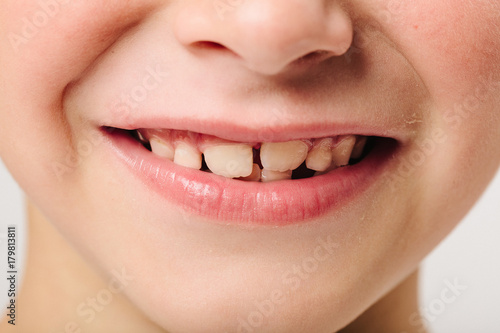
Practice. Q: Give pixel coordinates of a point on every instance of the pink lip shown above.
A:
(238, 202)
(257, 131)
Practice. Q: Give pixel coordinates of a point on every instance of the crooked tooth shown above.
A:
(162, 149)
(283, 156)
(230, 160)
(341, 153)
(320, 157)
(187, 156)
(255, 175)
(271, 176)
(359, 146)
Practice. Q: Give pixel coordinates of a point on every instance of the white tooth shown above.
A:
(162, 148)
(188, 156)
(342, 151)
(255, 175)
(271, 176)
(283, 156)
(230, 160)
(331, 167)
(357, 151)
(320, 157)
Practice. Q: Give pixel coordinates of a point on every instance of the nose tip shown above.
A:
(269, 36)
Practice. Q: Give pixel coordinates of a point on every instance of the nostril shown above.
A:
(209, 45)
(314, 57)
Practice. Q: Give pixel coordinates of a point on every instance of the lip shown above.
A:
(249, 131)
(232, 201)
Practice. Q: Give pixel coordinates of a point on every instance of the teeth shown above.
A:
(140, 136)
(162, 148)
(320, 157)
(283, 156)
(271, 176)
(255, 175)
(273, 160)
(232, 161)
(357, 151)
(342, 151)
(188, 156)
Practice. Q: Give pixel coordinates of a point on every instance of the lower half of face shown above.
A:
(242, 158)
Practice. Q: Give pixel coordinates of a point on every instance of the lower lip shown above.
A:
(232, 201)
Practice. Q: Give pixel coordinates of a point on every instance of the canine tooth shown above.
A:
(283, 156)
(162, 148)
(188, 156)
(320, 157)
(271, 176)
(342, 151)
(230, 160)
(359, 146)
(255, 175)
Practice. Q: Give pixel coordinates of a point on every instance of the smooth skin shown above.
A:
(428, 71)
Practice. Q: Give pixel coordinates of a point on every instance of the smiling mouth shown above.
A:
(255, 161)
(263, 183)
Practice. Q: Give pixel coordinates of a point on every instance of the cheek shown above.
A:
(454, 47)
(55, 41)
(460, 58)
(453, 44)
(47, 45)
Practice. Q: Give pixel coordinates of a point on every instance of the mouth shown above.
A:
(263, 183)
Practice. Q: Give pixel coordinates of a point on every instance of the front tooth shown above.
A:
(188, 156)
(342, 151)
(271, 176)
(283, 156)
(320, 157)
(232, 160)
(162, 148)
(357, 151)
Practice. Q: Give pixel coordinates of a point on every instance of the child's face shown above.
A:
(425, 73)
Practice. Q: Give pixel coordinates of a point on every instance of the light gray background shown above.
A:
(470, 257)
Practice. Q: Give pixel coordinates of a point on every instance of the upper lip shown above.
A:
(252, 113)
(261, 132)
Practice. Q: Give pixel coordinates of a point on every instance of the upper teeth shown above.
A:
(187, 155)
(232, 160)
(162, 148)
(342, 151)
(236, 160)
(320, 157)
(283, 156)
(359, 146)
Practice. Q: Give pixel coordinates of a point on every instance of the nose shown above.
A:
(267, 35)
